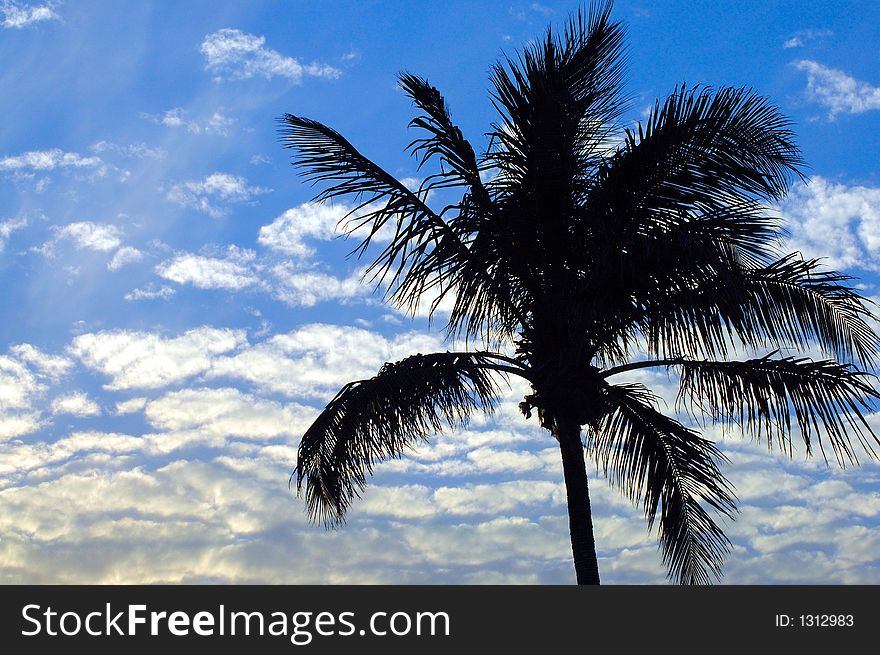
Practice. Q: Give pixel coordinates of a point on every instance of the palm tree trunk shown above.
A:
(580, 518)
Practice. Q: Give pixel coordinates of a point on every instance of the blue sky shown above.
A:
(176, 311)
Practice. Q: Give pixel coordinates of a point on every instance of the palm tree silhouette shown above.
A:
(578, 251)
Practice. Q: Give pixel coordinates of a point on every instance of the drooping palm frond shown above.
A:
(670, 470)
(371, 420)
(828, 400)
(325, 156)
(457, 157)
(787, 303)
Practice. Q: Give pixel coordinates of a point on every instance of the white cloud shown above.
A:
(130, 406)
(837, 91)
(133, 150)
(123, 256)
(53, 367)
(8, 227)
(201, 194)
(237, 55)
(48, 160)
(226, 412)
(234, 272)
(317, 359)
(18, 15)
(306, 288)
(85, 235)
(177, 117)
(20, 389)
(288, 232)
(75, 404)
(800, 38)
(143, 360)
(150, 292)
(836, 221)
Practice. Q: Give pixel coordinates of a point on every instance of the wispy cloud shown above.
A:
(203, 194)
(8, 227)
(837, 91)
(237, 55)
(123, 256)
(18, 15)
(48, 160)
(178, 118)
(150, 292)
(133, 150)
(800, 38)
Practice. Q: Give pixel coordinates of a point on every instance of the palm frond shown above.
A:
(670, 470)
(457, 157)
(325, 156)
(371, 420)
(828, 400)
(560, 101)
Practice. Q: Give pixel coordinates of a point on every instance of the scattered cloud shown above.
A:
(85, 235)
(837, 91)
(177, 117)
(18, 15)
(53, 367)
(8, 227)
(150, 292)
(123, 256)
(306, 288)
(48, 160)
(233, 54)
(318, 358)
(287, 233)
(202, 194)
(144, 360)
(75, 404)
(132, 150)
(835, 221)
(800, 38)
(233, 272)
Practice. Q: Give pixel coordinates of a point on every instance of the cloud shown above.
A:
(48, 160)
(233, 54)
(226, 412)
(836, 221)
(133, 150)
(75, 404)
(306, 288)
(53, 367)
(287, 233)
(150, 292)
(21, 387)
(802, 37)
(85, 235)
(124, 256)
(216, 123)
(17, 15)
(232, 273)
(201, 194)
(144, 360)
(8, 227)
(837, 91)
(317, 359)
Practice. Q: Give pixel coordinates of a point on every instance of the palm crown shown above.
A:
(580, 251)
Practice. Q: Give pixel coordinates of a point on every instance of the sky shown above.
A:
(177, 312)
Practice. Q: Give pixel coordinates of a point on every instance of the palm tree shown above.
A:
(578, 251)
